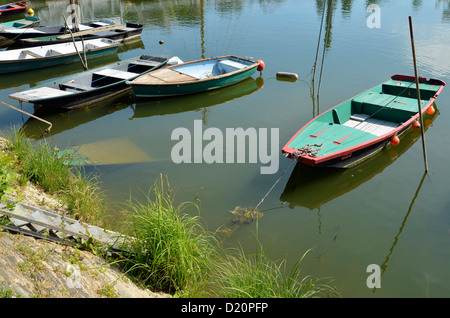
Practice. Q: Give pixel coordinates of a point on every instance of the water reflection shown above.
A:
(67, 120)
(394, 243)
(196, 102)
(312, 187)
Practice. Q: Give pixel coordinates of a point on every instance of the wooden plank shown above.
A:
(108, 72)
(38, 93)
(164, 76)
(92, 31)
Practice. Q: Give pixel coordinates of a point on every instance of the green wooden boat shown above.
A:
(28, 22)
(356, 129)
(195, 77)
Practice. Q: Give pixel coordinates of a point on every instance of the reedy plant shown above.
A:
(170, 249)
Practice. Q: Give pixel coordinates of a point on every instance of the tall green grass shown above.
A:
(170, 249)
(238, 275)
(40, 164)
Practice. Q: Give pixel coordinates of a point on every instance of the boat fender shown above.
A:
(261, 65)
(286, 76)
(416, 125)
(174, 61)
(395, 140)
(430, 110)
(30, 12)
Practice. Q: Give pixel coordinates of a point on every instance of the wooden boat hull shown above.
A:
(12, 8)
(131, 31)
(358, 128)
(185, 84)
(91, 86)
(19, 65)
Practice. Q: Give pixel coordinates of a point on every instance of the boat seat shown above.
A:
(140, 66)
(74, 86)
(401, 89)
(28, 52)
(230, 66)
(109, 76)
(385, 106)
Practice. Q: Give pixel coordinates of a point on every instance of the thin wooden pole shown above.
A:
(75, 45)
(419, 102)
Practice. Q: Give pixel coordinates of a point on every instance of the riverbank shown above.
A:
(31, 267)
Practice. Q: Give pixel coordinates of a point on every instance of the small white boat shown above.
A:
(50, 55)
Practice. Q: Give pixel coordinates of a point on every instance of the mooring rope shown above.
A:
(273, 186)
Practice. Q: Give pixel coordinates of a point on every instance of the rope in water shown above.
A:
(273, 186)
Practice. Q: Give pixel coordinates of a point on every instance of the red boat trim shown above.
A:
(315, 136)
(340, 141)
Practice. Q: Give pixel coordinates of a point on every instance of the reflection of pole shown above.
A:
(384, 265)
(419, 102)
(202, 28)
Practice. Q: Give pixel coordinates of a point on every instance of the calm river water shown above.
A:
(384, 212)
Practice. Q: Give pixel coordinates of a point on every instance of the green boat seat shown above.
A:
(403, 89)
(385, 106)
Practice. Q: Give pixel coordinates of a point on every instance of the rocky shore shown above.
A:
(31, 267)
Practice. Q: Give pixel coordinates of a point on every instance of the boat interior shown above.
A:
(371, 114)
(112, 75)
(52, 50)
(194, 71)
(389, 104)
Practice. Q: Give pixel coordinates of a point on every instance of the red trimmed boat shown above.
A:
(356, 129)
(12, 8)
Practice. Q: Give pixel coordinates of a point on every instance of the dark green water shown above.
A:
(384, 212)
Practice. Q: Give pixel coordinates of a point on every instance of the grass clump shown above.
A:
(40, 164)
(237, 275)
(170, 249)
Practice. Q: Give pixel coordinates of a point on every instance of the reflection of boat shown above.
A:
(359, 127)
(312, 187)
(51, 55)
(28, 22)
(12, 8)
(198, 101)
(66, 120)
(90, 86)
(194, 77)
